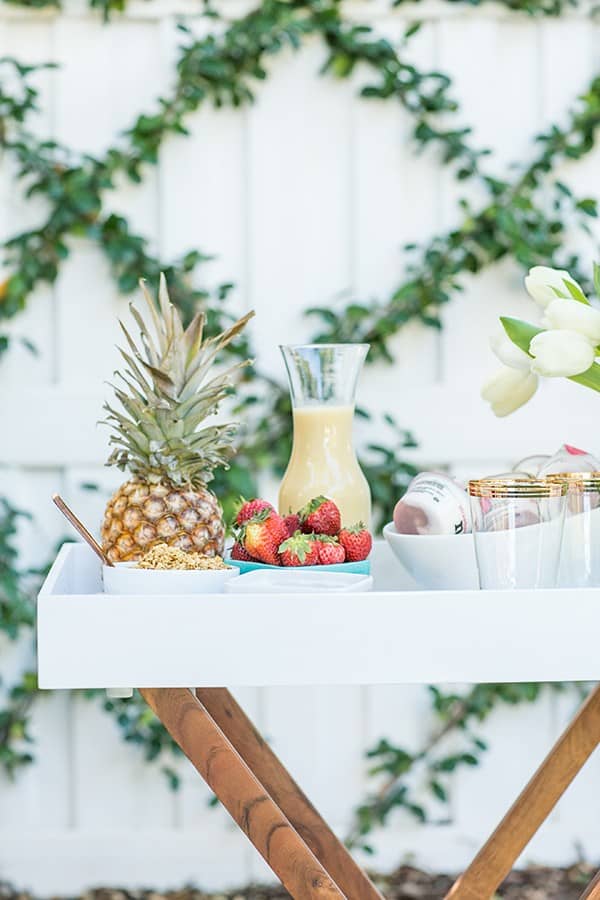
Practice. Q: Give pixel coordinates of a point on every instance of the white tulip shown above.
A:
(542, 282)
(574, 316)
(561, 353)
(508, 353)
(509, 389)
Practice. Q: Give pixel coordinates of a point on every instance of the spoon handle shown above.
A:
(80, 528)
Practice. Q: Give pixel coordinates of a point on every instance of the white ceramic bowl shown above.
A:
(126, 578)
(436, 561)
(298, 581)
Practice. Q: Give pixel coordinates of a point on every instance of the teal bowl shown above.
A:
(351, 568)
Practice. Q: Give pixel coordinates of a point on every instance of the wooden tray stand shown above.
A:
(213, 639)
(296, 842)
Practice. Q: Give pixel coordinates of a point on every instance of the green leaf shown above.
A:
(520, 332)
(439, 791)
(576, 292)
(173, 777)
(589, 206)
(413, 29)
(590, 378)
(597, 279)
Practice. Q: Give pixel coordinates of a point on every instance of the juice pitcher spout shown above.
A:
(323, 373)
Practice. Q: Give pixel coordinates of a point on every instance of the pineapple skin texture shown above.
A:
(140, 515)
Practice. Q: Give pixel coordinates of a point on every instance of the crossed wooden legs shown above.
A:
(267, 804)
(533, 806)
(259, 793)
(291, 800)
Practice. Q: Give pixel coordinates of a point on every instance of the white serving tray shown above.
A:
(87, 639)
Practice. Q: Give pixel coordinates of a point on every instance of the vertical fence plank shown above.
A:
(111, 59)
(39, 797)
(401, 715)
(114, 789)
(512, 49)
(20, 365)
(578, 42)
(317, 732)
(483, 794)
(395, 203)
(299, 174)
(210, 214)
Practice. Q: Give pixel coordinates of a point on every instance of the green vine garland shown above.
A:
(16, 614)
(224, 70)
(106, 7)
(412, 780)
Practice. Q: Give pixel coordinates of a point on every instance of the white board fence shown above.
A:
(308, 194)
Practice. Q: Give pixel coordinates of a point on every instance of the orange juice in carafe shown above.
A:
(323, 461)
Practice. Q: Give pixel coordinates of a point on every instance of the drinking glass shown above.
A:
(517, 526)
(322, 380)
(580, 553)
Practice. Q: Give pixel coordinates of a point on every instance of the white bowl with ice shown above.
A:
(436, 561)
(430, 534)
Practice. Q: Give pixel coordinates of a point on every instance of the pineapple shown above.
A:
(167, 392)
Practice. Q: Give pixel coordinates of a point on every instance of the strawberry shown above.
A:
(262, 534)
(249, 508)
(330, 551)
(356, 541)
(320, 516)
(239, 552)
(300, 550)
(292, 523)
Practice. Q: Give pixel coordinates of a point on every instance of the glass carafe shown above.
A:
(322, 380)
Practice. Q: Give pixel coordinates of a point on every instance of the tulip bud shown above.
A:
(509, 389)
(574, 316)
(543, 282)
(561, 352)
(508, 353)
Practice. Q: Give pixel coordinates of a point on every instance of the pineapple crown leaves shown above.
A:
(166, 392)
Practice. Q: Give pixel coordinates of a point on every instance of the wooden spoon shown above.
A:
(80, 527)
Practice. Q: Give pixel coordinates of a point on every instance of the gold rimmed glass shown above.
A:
(580, 554)
(576, 482)
(506, 486)
(517, 526)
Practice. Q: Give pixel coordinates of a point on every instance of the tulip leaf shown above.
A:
(590, 378)
(597, 279)
(576, 292)
(522, 333)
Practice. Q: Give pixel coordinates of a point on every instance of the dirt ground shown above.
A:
(405, 884)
